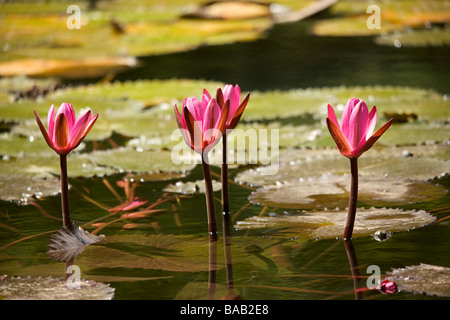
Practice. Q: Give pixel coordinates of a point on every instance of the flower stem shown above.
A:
(352, 200)
(225, 200)
(209, 193)
(67, 221)
(226, 223)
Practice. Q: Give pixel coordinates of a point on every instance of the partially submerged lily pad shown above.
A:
(331, 224)
(331, 191)
(422, 279)
(18, 288)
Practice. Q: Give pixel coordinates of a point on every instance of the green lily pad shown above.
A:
(331, 224)
(416, 38)
(18, 288)
(422, 279)
(122, 29)
(21, 187)
(413, 162)
(350, 18)
(331, 191)
(124, 159)
(425, 104)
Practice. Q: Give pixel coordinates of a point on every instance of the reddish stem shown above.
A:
(226, 223)
(67, 221)
(352, 200)
(209, 193)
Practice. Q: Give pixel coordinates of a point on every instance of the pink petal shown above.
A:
(332, 115)
(195, 108)
(61, 134)
(43, 131)
(77, 131)
(345, 119)
(371, 141)
(211, 117)
(238, 113)
(358, 124)
(339, 138)
(69, 113)
(51, 122)
(87, 128)
(179, 118)
(205, 92)
(372, 122)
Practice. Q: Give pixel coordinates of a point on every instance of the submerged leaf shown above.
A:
(68, 242)
(422, 279)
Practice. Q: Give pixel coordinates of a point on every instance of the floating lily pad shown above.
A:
(191, 187)
(416, 38)
(18, 288)
(72, 69)
(412, 162)
(230, 10)
(123, 159)
(331, 224)
(351, 18)
(426, 104)
(21, 188)
(120, 29)
(331, 191)
(422, 279)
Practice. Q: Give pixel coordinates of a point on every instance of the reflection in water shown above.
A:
(354, 267)
(212, 281)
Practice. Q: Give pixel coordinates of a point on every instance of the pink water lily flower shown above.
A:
(66, 132)
(202, 122)
(237, 107)
(355, 134)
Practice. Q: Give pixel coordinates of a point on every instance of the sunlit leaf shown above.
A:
(331, 224)
(412, 162)
(48, 288)
(332, 191)
(422, 279)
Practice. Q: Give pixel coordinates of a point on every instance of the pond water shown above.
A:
(290, 57)
(165, 260)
